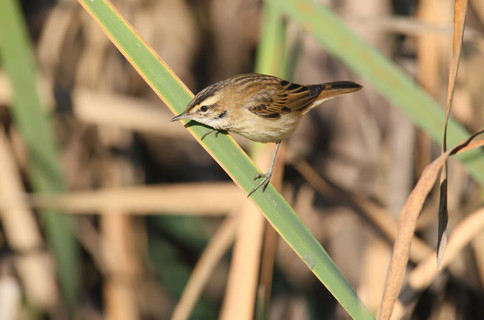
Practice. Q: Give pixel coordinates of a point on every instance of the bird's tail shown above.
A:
(330, 90)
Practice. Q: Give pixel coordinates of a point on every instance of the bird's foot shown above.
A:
(264, 182)
(209, 131)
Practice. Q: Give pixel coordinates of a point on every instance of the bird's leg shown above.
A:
(266, 176)
(209, 131)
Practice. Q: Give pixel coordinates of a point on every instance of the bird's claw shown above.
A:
(260, 175)
(209, 131)
(264, 182)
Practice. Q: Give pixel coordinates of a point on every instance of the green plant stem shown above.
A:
(36, 130)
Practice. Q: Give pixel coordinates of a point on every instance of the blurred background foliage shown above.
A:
(146, 199)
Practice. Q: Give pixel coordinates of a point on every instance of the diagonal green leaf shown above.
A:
(228, 154)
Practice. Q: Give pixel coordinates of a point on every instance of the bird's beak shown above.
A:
(180, 116)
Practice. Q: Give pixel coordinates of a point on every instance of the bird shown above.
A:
(262, 108)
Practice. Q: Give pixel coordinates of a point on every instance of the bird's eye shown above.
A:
(203, 108)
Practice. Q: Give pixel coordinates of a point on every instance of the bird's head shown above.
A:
(206, 106)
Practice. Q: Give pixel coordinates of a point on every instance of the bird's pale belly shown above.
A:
(261, 129)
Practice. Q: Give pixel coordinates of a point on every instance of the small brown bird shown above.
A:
(259, 107)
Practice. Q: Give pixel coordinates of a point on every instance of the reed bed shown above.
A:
(109, 211)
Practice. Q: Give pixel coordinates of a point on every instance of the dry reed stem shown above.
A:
(54, 32)
(270, 240)
(432, 47)
(410, 26)
(117, 230)
(426, 271)
(121, 268)
(372, 279)
(213, 253)
(477, 246)
(33, 264)
(10, 297)
(211, 199)
(241, 292)
(239, 300)
(115, 110)
(269, 248)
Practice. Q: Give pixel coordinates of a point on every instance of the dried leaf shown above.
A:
(443, 220)
(460, 8)
(407, 223)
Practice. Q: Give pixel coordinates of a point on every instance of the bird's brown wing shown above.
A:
(283, 97)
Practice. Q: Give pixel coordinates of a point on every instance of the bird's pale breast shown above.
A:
(257, 128)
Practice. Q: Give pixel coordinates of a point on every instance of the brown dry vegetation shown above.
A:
(152, 209)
